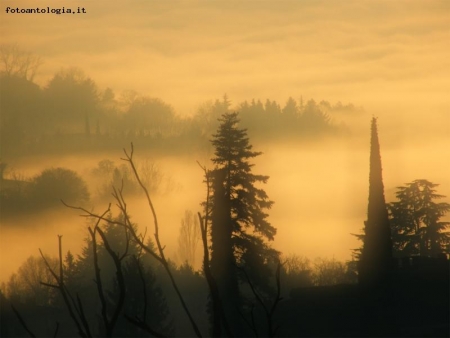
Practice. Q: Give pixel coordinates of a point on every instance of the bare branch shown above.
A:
(144, 326)
(144, 286)
(61, 273)
(17, 62)
(120, 281)
(251, 325)
(255, 293)
(98, 280)
(160, 256)
(48, 266)
(127, 245)
(278, 296)
(269, 313)
(126, 225)
(139, 239)
(219, 317)
(50, 285)
(129, 158)
(82, 315)
(56, 330)
(65, 294)
(22, 322)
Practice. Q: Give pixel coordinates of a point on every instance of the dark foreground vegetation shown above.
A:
(123, 285)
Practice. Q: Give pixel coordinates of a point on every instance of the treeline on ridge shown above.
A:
(72, 113)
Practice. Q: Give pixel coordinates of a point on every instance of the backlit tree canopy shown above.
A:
(417, 228)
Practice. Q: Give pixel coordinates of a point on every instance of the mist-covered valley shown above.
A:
(319, 183)
(307, 79)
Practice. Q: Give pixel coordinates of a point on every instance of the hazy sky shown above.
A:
(391, 57)
(372, 53)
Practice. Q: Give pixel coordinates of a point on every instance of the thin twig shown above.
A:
(82, 315)
(22, 322)
(50, 285)
(62, 290)
(144, 287)
(128, 225)
(127, 245)
(218, 311)
(160, 256)
(146, 248)
(56, 330)
(144, 326)
(129, 159)
(269, 313)
(120, 282)
(98, 279)
(251, 325)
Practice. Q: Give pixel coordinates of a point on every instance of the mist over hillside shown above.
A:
(250, 121)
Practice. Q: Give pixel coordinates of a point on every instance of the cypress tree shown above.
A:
(376, 254)
(375, 265)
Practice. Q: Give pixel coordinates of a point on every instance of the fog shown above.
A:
(320, 192)
(185, 52)
(390, 58)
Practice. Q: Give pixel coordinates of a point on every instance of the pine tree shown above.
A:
(239, 225)
(232, 152)
(416, 223)
(376, 254)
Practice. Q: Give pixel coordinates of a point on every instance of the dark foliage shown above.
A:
(376, 254)
(417, 228)
(45, 190)
(56, 184)
(239, 223)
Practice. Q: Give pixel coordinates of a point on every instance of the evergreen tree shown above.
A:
(375, 265)
(415, 220)
(139, 274)
(239, 225)
(290, 110)
(144, 300)
(376, 254)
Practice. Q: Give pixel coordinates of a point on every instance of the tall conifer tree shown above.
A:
(375, 265)
(239, 225)
(376, 254)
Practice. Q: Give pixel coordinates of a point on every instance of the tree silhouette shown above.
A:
(189, 238)
(375, 264)
(71, 100)
(25, 285)
(56, 184)
(290, 110)
(147, 115)
(376, 254)
(17, 62)
(415, 220)
(21, 121)
(239, 224)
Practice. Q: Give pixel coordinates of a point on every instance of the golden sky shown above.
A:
(390, 57)
(372, 53)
